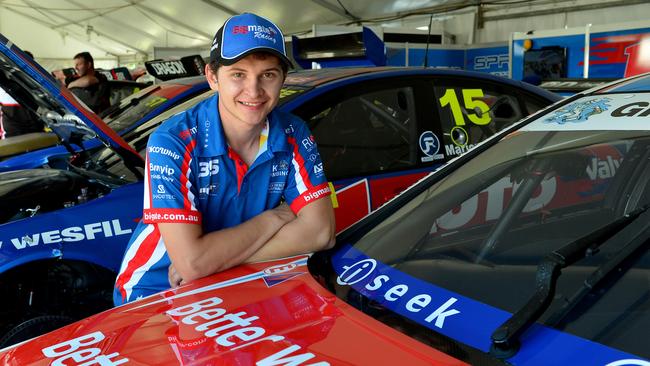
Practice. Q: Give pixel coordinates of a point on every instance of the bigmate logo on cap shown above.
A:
(244, 34)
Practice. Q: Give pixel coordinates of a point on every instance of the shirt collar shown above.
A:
(213, 140)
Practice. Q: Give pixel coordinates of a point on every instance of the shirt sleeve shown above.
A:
(169, 193)
(306, 181)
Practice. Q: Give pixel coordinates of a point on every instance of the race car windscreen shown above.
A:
(133, 108)
(479, 233)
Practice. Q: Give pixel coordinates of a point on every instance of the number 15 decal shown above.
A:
(472, 101)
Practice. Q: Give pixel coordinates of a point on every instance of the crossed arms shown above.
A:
(272, 234)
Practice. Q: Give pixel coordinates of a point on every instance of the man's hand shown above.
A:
(174, 278)
(312, 230)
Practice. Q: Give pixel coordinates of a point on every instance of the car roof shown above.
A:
(318, 77)
(190, 80)
(639, 83)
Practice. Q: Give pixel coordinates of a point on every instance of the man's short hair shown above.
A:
(86, 56)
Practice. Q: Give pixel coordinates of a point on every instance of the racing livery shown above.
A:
(530, 249)
(281, 316)
(70, 223)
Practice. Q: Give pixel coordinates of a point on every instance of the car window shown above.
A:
(365, 133)
(119, 91)
(135, 107)
(533, 104)
(481, 232)
(471, 111)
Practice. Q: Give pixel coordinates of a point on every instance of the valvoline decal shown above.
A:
(464, 319)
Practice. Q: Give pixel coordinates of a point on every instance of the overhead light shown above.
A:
(423, 28)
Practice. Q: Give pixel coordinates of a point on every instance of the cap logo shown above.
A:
(243, 34)
(240, 29)
(259, 31)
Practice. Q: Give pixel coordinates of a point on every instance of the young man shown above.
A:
(231, 180)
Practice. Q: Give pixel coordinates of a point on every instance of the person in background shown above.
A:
(230, 180)
(84, 65)
(92, 85)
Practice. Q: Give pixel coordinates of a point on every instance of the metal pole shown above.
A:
(585, 70)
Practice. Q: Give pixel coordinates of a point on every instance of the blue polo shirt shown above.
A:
(193, 176)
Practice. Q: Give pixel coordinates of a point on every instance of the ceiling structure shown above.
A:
(119, 30)
(123, 27)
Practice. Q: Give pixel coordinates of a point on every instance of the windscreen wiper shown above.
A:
(505, 339)
(638, 238)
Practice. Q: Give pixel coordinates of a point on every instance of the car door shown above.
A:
(367, 136)
(466, 111)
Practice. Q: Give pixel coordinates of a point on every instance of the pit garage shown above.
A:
(480, 170)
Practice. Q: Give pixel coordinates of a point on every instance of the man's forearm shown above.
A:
(83, 82)
(216, 251)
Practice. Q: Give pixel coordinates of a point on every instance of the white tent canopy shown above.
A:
(127, 31)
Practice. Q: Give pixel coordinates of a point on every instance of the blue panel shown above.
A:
(375, 49)
(395, 56)
(438, 58)
(493, 60)
(575, 54)
(610, 53)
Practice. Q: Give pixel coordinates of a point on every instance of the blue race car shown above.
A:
(64, 229)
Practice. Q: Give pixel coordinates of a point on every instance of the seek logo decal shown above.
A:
(459, 317)
(430, 145)
(380, 286)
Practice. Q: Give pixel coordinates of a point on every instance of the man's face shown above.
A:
(81, 66)
(249, 89)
